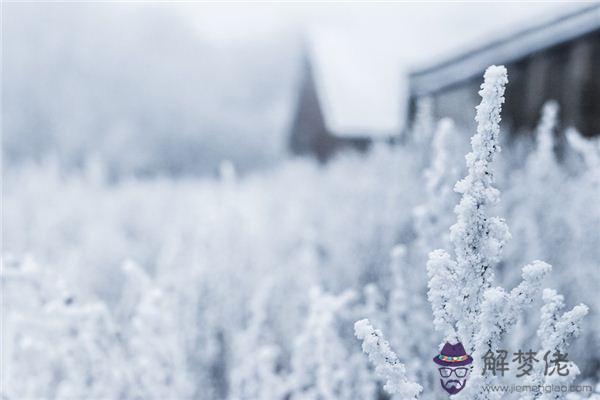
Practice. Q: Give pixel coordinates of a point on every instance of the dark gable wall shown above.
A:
(309, 134)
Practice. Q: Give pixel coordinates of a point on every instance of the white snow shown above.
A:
(247, 286)
(359, 83)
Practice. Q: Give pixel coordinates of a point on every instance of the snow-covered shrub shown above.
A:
(582, 255)
(254, 373)
(409, 318)
(548, 205)
(466, 306)
(153, 341)
(424, 124)
(320, 363)
(434, 217)
(534, 191)
(555, 333)
(55, 344)
(477, 237)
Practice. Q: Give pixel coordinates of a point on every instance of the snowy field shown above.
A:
(248, 287)
(159, 242)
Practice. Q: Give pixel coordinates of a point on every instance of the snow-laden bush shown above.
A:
(434, 217)
(466, 308)
(321, 367)
(63, 346)
(550, 207)
(543, 173)
(256, 377)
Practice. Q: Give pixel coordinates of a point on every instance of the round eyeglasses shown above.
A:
(459, 372)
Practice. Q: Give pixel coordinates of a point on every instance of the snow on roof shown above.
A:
(359, 84)
(510, 48)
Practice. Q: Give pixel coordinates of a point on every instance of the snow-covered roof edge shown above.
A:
(360, 95)
(469, 64)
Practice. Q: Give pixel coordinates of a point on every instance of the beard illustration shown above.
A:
(454, 366)
(452, 385)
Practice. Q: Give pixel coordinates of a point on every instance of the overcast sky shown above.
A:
(131, 78)
(362, 49)
(420, 28)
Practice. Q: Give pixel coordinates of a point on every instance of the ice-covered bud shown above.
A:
(485, 143)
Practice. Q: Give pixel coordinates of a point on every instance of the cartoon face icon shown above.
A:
(453, 379)
(454, 366)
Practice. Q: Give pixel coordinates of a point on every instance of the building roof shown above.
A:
(469, 64)
(358, 82)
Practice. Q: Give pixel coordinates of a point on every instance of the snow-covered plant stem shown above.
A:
(545, 132)
(424, 121)
(499, 313)
(434, 216)
(320, 361)
(466, 307)
(528, 203)
(555, 333)
(386, 362)
(253, 373)
(409, 320)
(457, 285)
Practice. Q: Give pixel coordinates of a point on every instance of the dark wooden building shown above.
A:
(346, 97)
(555, 60)
(309, 134)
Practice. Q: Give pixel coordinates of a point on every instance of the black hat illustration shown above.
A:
(453, 355)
